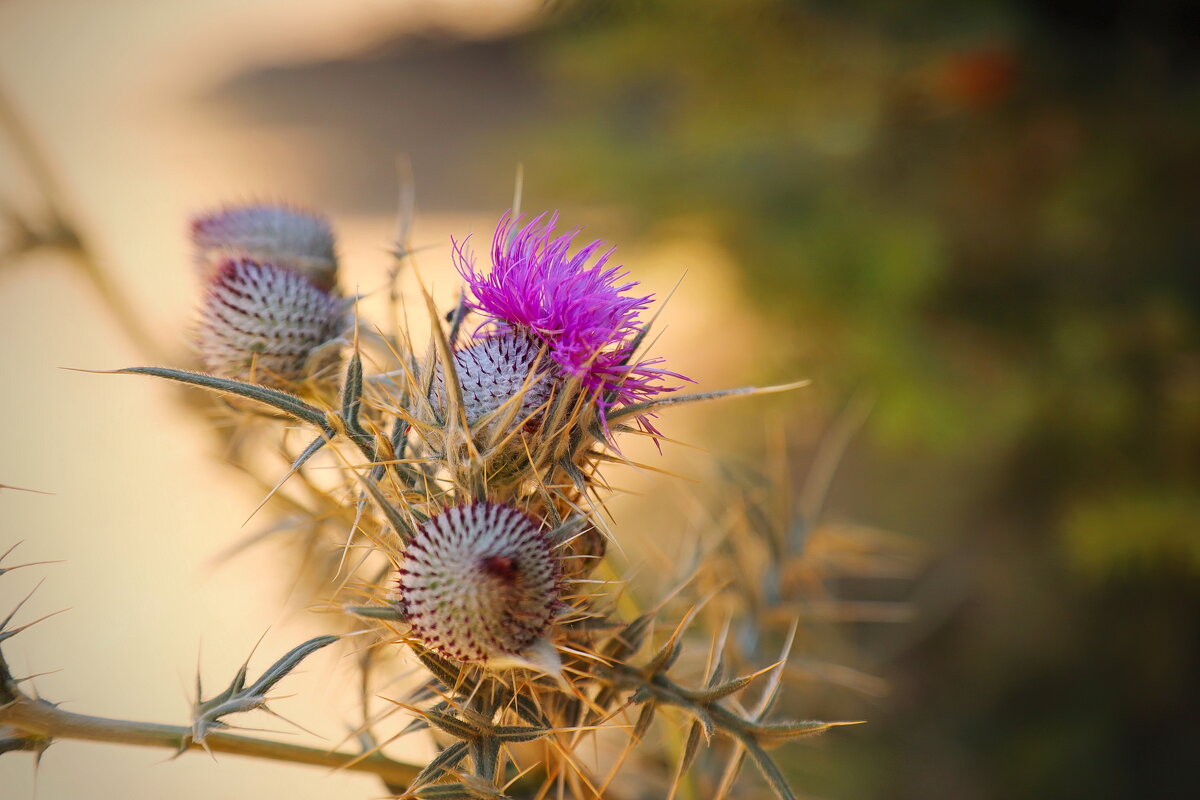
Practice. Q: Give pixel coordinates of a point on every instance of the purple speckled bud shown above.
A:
(267, 324)
(480, 581)
(273, 234)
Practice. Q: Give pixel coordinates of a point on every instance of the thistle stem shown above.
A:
(43, 719)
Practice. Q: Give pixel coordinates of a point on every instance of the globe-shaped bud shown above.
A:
(272, 234)
(480, 582)
(267, 324)
(493, 371)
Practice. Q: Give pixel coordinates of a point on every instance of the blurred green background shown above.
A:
(986, 213)
(981, 215)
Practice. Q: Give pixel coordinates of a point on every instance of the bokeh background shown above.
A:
(977, 219)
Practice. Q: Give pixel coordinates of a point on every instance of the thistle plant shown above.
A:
(466, 530)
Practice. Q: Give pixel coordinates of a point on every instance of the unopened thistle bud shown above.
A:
(272, 234)
(268, 324)
(480, 582)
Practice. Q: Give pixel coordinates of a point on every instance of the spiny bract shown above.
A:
(494, 370)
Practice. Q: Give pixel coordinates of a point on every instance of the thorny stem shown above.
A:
(42, 719)
(42, 722)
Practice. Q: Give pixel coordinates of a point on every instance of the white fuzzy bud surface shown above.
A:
(265, 323)
(480, 582)
(492, 371)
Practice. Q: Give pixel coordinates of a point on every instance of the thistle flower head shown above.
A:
(480, 581)
(496, 369)
(266, 323)
(275, 234)
(583, 315)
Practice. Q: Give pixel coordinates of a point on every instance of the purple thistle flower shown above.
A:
(583, 315)
(275, 234)
(480, 581)
(265, 323)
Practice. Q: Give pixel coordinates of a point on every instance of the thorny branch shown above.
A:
(32, 724)
(40, 723)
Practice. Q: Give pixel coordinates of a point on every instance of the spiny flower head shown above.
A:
(493, 370)
(275, 234)
(266, 323)
(583, 315)
(480, 581)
